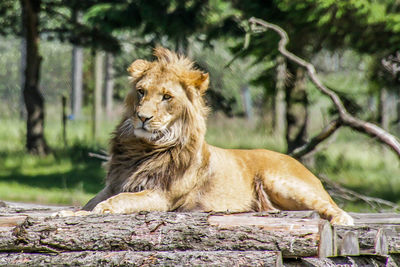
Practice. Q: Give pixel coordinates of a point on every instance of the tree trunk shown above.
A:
(383, 109)
(280, 105)
(76, 75)
(296, 110)
(247, 103)
(77, 81)
(97, 94)
(109, 84)
(33, 98)
(22, 110)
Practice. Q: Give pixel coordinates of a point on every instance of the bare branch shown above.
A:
(316, 140)
(345, 117)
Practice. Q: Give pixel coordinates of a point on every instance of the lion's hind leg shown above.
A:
(288, 192)
(262, 201)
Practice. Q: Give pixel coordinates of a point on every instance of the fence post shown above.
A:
(64, 119)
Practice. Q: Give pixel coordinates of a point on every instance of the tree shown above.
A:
(313, 25)
(57, 24)
(34, 102)
(109, 83)
(76, 75)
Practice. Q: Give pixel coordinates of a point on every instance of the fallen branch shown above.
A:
(344, 116)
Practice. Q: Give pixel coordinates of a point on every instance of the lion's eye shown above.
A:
(166, 97)
(140, 92)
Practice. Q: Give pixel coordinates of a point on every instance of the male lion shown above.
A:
(161, 162)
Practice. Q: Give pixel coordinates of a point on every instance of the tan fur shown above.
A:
(160, 160)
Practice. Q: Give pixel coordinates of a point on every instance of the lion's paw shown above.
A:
(114, 205)
(343, 219)
(104, 207)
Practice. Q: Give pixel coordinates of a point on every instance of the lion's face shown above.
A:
(159, 104)
(167, 94)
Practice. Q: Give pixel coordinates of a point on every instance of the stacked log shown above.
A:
(30, 236)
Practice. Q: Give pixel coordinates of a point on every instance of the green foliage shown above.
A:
(226, 82)
(203, 29)
(9, 17)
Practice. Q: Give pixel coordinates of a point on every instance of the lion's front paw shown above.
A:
(103, 208)
(110, 205)
(343, 219)
(67, 213)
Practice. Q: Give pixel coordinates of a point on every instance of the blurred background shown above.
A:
(63, 80)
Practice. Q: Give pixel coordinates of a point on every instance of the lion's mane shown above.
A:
(137, 164)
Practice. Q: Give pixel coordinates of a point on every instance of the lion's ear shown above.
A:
(202, 82)
(137, 68)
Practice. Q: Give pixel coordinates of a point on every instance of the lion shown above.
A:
(160, 160)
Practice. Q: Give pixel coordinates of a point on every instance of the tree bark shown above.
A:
(109, 84)
(155, 258)
(350, 261)
(34, 101)
(157, 231)
(28, 236)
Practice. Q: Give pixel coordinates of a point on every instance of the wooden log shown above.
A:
(360, 261)
(393, 239)
(171, 231)
(11, 221)
(131, 258)
(375, 218)
(366, 240)
(393, 260)
(29, 209)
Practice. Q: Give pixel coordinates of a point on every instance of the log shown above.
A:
(131, 258)
(11, 221)
(393, 239)
(376, 218)
(360, 261)
(366, 240)
(171, 231)
(29, 209)
(393, 260)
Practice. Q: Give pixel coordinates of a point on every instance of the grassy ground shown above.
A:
(70, 176)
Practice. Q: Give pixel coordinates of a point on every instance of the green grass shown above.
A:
(361, 164)
(66, 176)
(70, 176)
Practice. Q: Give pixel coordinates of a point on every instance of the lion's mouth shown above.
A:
(150, 135)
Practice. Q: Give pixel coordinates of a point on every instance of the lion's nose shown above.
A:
(144, 118)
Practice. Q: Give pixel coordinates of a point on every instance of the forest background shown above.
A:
(63, 80)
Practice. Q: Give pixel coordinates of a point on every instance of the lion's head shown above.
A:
(166, 99)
